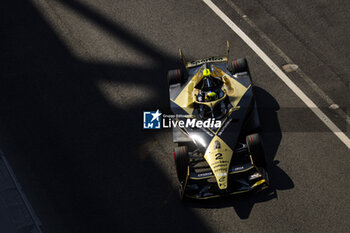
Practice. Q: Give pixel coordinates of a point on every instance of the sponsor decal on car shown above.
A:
(205, 174)
(206, 60)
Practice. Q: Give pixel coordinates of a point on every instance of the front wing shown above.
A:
(241, 178)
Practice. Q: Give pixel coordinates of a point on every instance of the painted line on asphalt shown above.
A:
(284, 56)
(309, 103)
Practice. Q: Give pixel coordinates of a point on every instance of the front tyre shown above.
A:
(181, 162)
(256, 150)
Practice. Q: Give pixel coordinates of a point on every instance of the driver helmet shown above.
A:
(211, 96)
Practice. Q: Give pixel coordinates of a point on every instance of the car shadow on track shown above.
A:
(279, 180)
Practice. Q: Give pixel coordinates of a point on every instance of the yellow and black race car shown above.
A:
(226, 155)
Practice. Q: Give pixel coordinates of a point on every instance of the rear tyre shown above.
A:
(181, 162)
(256, 150)
(238, 66)
(175, 76)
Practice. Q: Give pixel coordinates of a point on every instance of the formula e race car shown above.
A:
(226, 157)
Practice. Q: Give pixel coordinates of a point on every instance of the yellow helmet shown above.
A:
(210, 96)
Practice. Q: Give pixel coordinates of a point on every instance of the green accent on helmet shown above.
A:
(206, 72)
(210, 96)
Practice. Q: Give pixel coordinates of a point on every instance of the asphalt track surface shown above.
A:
(76, 76)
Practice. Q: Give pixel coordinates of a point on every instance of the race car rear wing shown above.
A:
(191, 64)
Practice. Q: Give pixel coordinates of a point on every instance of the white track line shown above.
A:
(284, 56)
(280, 74)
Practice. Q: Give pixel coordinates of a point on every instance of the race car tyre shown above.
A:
(256, 149)
(238, 66)
(181, 162)
(175, 76)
